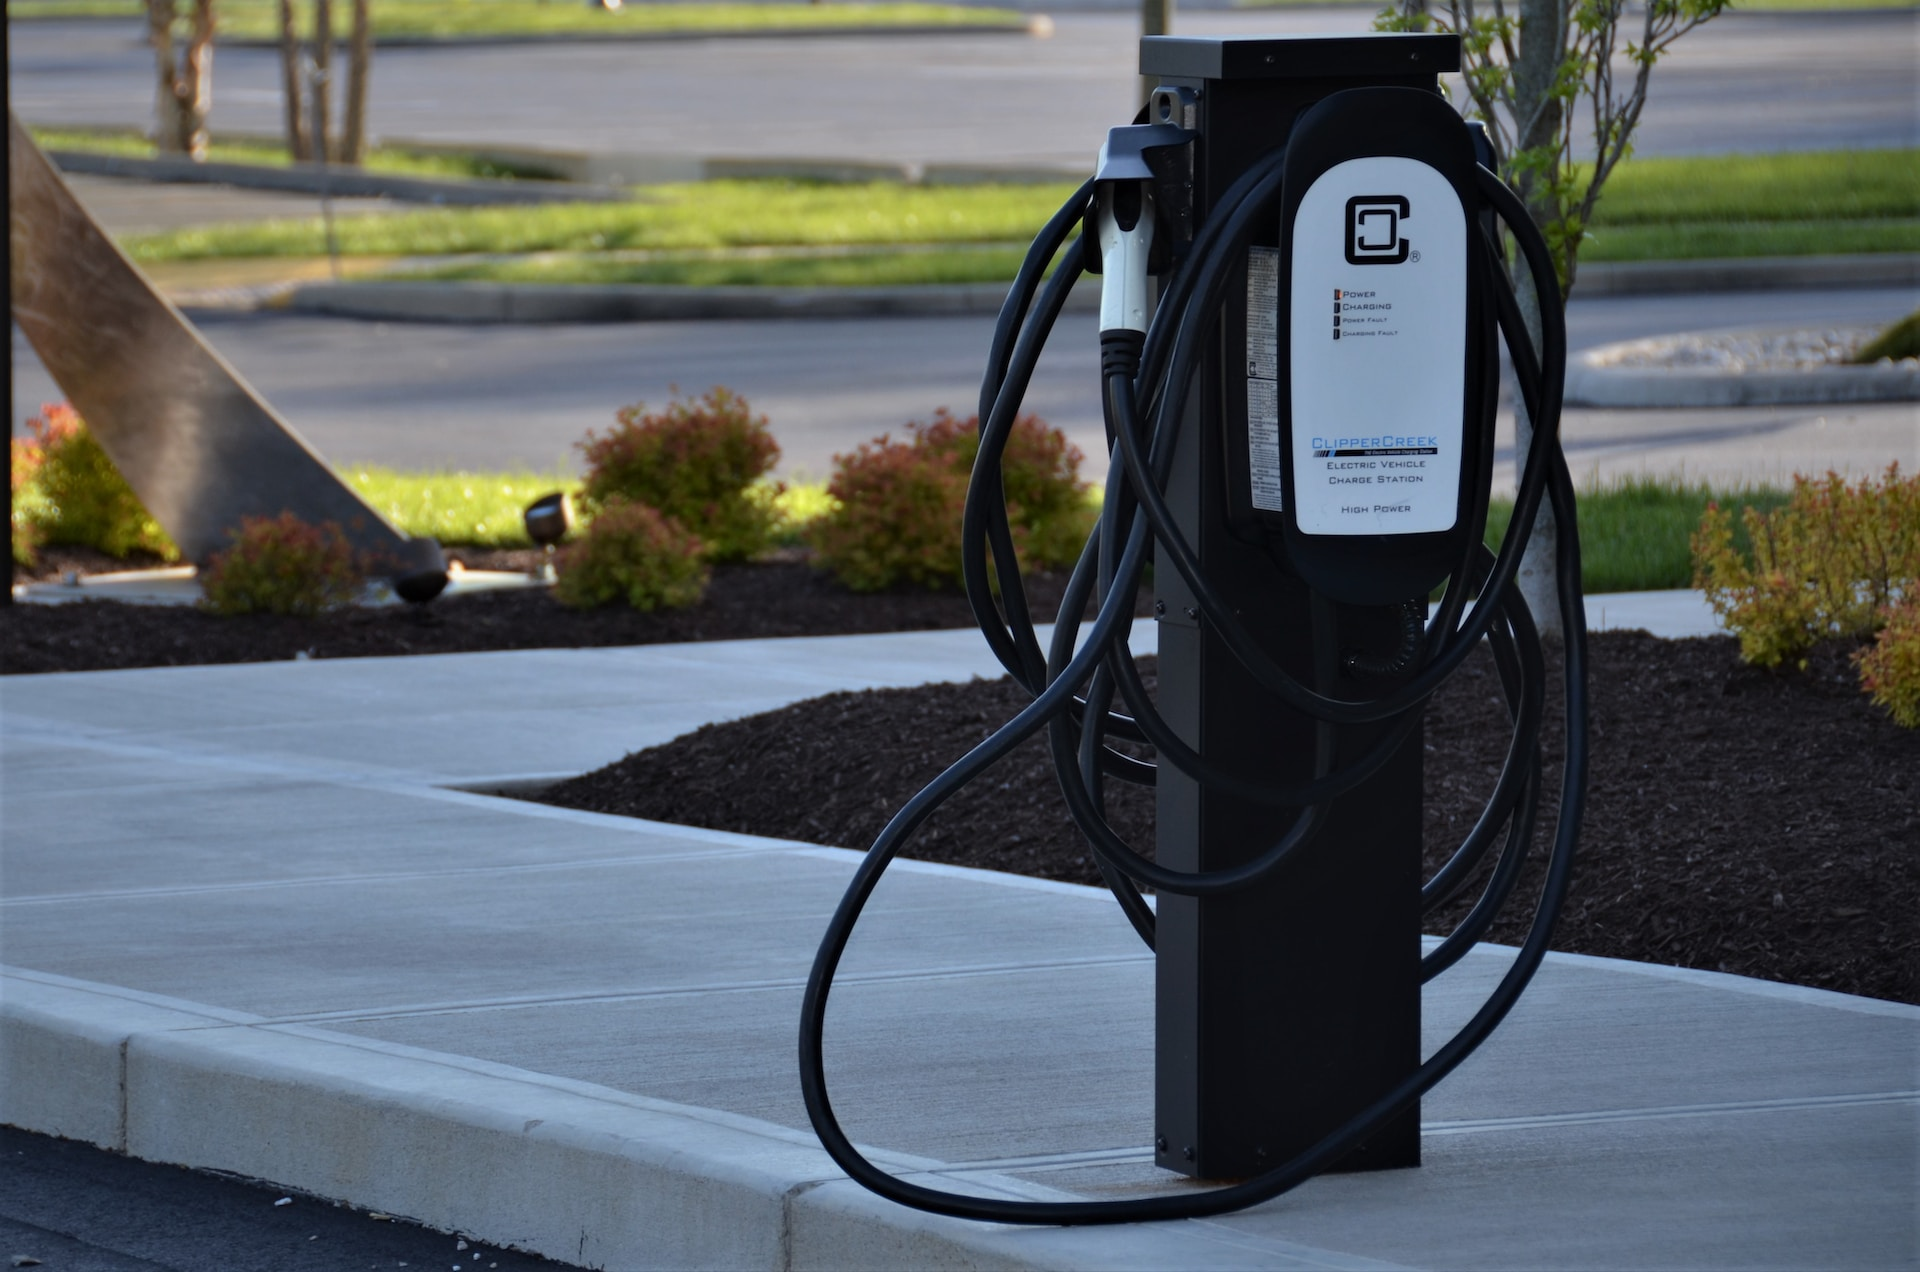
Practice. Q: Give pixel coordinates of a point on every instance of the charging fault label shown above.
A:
(1377, 351)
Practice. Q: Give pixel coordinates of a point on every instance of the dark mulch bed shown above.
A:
(1738, 820)
(776, 598)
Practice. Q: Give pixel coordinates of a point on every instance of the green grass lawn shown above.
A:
(444, 19)
(480, 510)
(483, 509)
(718, 232)
(1634, 535)
(698, 216)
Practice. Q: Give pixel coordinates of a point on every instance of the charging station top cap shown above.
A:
(1369, 55)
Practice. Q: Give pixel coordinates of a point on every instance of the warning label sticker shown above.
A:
(1263, 444)
(1263, 378)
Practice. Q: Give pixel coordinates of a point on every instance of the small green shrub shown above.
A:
(1890, 669)
(77, 496)
(282, 565)
(897, 506)
(1900, 340)
(1827, 564)
(695, 462)
(632, 553)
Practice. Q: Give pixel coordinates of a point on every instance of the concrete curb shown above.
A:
(1592, 380)
(560, 303)
(339, 182)
(1656, 278)
(606, 171)
(534, 303)
(558, 1167)
(1039, 26)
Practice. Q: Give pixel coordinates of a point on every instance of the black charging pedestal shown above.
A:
(1286, 1007)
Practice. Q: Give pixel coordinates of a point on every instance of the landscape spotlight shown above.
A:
(548, 519)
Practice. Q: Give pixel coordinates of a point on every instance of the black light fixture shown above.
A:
(548, 519)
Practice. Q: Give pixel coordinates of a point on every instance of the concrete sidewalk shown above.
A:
(258, 919)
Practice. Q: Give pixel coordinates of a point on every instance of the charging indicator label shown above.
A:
(1377, 349)
(1263, 378)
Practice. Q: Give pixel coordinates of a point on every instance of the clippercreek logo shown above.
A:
(1373, 229)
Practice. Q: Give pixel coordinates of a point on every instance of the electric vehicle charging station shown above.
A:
(1302, 427)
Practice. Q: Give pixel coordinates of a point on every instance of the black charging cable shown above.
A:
(1146, 382)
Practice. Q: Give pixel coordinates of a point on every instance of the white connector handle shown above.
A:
(1124, 302)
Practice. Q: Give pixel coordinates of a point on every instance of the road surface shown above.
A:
(1744, 82)
(443, 396)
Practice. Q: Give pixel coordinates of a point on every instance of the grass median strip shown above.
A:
(469, 19)
(703, 215)
(1655, 209)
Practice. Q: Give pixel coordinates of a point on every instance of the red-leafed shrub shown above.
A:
(899, 504)
(73, 494)
(632, 553)
(695, 462)
(282, 565)
(1890, 669)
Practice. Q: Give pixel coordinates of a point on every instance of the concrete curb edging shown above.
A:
(1039, 26)
(1592, 381)
(1724, 274)
(528, 1161)
(477, 302)
(560, 303)
(340, 182)
(577, 175)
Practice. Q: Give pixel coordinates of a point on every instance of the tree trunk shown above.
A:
(186, 80)
(323, 147)
(1539, 579)
(353, 142)
(199, 77)
(166, 133)
(299, 144)
(1537, 119)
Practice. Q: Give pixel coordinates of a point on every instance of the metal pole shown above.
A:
(317, 75)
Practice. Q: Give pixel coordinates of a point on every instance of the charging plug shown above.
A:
(1125, 219)
(1125, 222)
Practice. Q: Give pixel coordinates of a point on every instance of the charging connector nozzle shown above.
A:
(1125, 219)
(1125, 222)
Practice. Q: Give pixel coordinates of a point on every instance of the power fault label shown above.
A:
(1377, 350)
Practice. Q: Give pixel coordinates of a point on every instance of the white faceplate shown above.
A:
(1378, 349)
